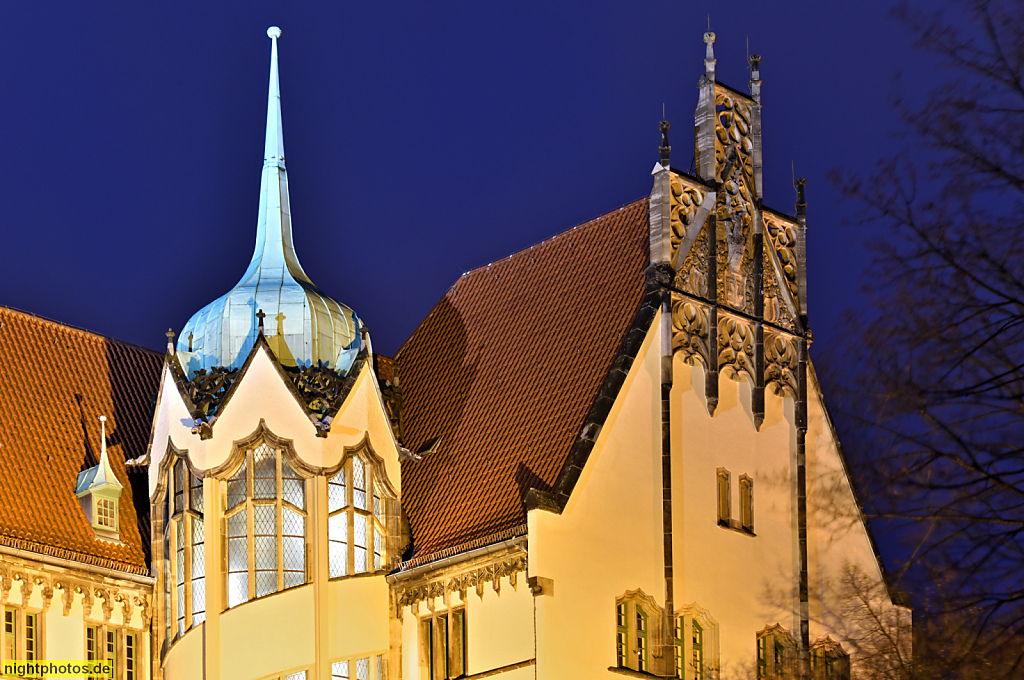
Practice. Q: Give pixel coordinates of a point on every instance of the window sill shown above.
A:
(632, 673)
(733, 525)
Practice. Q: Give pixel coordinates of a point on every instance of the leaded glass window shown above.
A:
(266, 525)
(184, 545)
(363, 668)
(356, 524)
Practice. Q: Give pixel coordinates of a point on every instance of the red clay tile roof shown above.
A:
(55, 381)
(504, 371)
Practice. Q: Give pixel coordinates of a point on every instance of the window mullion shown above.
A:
(278, 540)
(350, 496)
(186, 525)
(250, 523)
(371, 527)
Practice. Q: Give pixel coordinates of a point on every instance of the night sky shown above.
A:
(421, 142)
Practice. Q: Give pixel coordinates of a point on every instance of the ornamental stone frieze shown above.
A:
(73, 582)
(441, 585)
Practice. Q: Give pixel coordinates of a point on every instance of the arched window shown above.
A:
(696, 640)
(265, 537)
(776, 654)
(829, 661)
(185, 559)
(637, 624)
(357, 518)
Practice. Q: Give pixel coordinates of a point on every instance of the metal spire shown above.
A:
(303, 324)
(274, 250)
(104, 473)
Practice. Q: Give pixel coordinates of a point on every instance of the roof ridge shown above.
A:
(79, 329)
(530, 247)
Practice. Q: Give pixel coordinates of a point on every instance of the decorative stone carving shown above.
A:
(67, 595)
(26, 586)
(319, 386)
(5, 585)
(86, 592)
(692, 276)
(47, 592)
(735, 347)
(735, 205)
(781, 361)
(143, 603)
(683, 205)
(782, 237)
(690, 330)
(777, 308)
(208, 388)
(106, 603)
(412, 595)
(125, 601)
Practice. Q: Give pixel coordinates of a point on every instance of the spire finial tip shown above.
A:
(103, 419)
(273, 32)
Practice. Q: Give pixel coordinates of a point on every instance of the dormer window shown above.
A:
(106, 514)
(98, 490)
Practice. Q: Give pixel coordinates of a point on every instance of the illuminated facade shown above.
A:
(652, 487)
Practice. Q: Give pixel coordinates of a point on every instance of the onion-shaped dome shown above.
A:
(302, 324)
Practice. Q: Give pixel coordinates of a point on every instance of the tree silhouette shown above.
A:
(936, 413)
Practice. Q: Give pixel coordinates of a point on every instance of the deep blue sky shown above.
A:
(422, 140)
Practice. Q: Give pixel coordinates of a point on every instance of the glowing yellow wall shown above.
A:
(608, 540)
